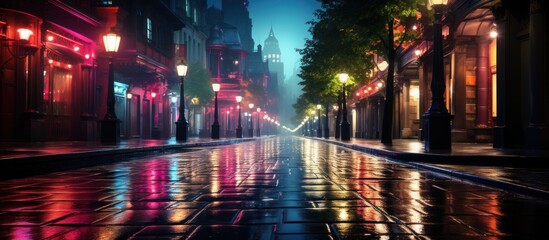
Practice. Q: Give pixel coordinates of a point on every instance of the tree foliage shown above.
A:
(197, 85)
(346, 36)
(253, 92)
(329, 52)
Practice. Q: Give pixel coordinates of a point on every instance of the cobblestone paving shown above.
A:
(278, 188)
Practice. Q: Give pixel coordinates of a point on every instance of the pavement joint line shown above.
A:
(389, 216)
(389, 155)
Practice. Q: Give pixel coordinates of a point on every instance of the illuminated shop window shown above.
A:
(57, 94)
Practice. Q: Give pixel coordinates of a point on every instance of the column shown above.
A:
(537, 131)
(460, 91)
(507, 130)
(483, 82)
(32, 72)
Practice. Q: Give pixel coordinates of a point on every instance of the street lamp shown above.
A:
(311, 123)
(345, 126)
(215, 125)
(22, 41)
(319, 129)
(308, 126)
(337, 117)
(24, 34)
(437, 118)
(266, 126)
(110, 125)
(258, 115)
(239, 127)
(228, 129)
(326, 126)
(181, 124)
(251, 130)
(153, 117)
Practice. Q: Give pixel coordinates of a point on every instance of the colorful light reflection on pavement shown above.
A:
(277, 188)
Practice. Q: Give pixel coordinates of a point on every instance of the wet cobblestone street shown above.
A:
(274, 188)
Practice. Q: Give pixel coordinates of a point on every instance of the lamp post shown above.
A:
(258, 115)
(215, 125)
(311, 123)
(338, 117)
(128, 115)
(319, 129)
(266, 126)
(239, 127)
(228, 131)
(309, 128)
(326, 125)
(247, 119)
(153, 116)
(181, 123)
(251, 130)
(437, 118)
(345, 126)
(110, 125)
(192, 123)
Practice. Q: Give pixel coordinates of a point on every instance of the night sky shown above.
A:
(289, 21)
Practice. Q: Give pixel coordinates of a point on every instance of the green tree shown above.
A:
(253, 92)
(331, 51)
(197, 85)
(366, 27)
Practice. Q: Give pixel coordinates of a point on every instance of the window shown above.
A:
(188, 8)
(3, 27)
(60, 92)
(104, 3)
(195, 16)
(149, 30)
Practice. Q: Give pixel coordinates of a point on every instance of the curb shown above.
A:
(469, 160)
(517, 188)
(19, 167)
(420, 161)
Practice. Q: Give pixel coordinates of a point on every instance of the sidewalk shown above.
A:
(515, 170)
(521, 171)
(26, 159)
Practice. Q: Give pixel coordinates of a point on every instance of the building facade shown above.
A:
(226, 62)
(495, 63)
(48, 82)
(236, 14)
(54, 85)
(238, 68)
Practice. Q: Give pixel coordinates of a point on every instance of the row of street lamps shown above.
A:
(343, 127)
(110, 124)
(251, 125)
(181, 123)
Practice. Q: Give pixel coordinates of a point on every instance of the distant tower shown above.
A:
(271, 54)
